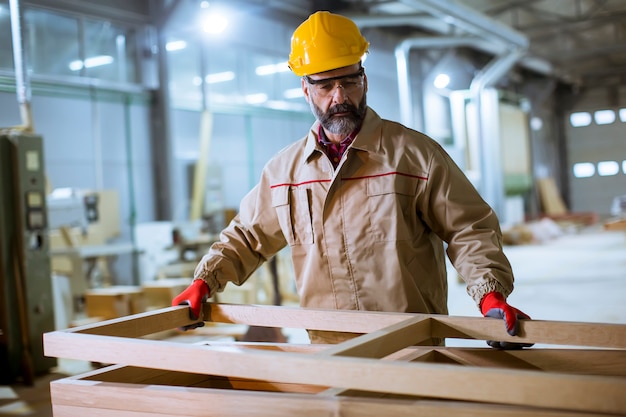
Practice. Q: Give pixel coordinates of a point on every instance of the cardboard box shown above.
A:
(113, 302)
(160, 293)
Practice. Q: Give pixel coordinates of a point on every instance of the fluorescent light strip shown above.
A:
(219, 77)
(175, 45)
(95, 61)
(256, 98)
(272, 68)
(293, 93)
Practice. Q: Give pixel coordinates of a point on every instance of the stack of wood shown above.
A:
(554, 207)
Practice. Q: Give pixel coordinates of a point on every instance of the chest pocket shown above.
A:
(293, 208)
(391, 207)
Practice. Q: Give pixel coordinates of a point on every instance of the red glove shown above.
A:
(494, 305)
(194, 295)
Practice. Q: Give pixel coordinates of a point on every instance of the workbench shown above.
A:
(574, 369)
(83, 260)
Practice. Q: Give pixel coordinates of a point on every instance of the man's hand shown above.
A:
(494, 305)
(193, 296)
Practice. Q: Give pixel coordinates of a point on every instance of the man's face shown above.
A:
(337, 98)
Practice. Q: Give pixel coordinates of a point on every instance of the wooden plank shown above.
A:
(200, 172)
(606, 335)
(615, 224)
(73, 396)
(550, 197)
(584, 393)
(303, 318)
(273, 346)
(481, 328)
(386, 341)
(572, 361)
(138, 325)
(145, 376)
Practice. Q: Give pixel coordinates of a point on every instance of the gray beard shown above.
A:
(340, 125)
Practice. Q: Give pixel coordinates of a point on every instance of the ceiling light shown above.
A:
(256, 98)
(214, 23)
(272, 68)
(441, 81)
(536, 123)
(175, 45)
(279, 105)
(219, 77)
(95, 61)
(293, 93)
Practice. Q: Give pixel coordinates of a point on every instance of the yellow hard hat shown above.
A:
(325, 41)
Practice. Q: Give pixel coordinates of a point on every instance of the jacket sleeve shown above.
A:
(251, 238)
(457, 213)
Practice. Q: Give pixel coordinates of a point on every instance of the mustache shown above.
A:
(342, 108)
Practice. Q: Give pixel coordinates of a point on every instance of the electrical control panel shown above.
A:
(26, 300)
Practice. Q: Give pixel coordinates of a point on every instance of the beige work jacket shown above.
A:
(367, 235)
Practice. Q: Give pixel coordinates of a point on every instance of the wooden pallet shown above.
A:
(581, 371)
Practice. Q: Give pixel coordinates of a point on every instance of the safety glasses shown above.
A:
(349, 83)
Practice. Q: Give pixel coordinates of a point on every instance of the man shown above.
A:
(365, 205)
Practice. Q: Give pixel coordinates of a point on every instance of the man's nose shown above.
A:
(338, 92)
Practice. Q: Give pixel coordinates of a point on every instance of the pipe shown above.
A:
(516, 45)
(491, 177)
(431, 23)
(441, 25)
(489, 149)
(402, 64)
(22, 84)
(470, 20)
(132, 215)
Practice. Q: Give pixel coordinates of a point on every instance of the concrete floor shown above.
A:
(577, 276)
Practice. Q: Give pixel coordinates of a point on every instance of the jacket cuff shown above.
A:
(207, 274)
(477, 292)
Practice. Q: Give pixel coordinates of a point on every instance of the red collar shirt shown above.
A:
(334, 151)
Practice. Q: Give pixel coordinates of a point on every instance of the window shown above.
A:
(580, 119)
(109, 52)
(608, 168)
(622, 115)
(54, 46)
(604, 117)
(584, 170)
(52, 41)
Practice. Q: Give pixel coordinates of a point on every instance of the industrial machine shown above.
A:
(26, 299)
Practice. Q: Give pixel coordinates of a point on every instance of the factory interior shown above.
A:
(130, 130)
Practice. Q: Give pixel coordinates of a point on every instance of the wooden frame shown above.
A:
(381, 372)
